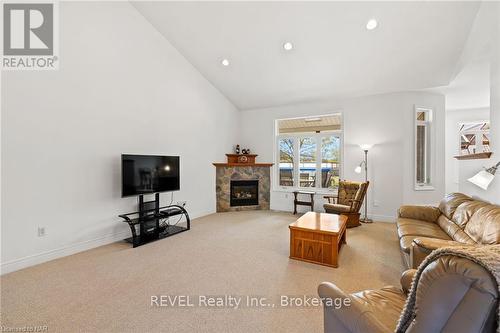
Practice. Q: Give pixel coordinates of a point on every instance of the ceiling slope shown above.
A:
(417, 45)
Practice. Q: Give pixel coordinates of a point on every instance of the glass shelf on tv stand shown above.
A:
(150, 228)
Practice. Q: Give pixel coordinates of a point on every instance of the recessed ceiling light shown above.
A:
(372, 24)
(225, 62)
(288, 46)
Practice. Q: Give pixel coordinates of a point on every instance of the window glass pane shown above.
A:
(423, 147)
(421, 154)
(474, 138)
(307, 162)
(310, 125)
(286, 167)
(330, 161)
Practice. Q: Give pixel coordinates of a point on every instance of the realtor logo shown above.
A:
(29, 36)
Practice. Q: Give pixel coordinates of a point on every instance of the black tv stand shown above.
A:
(147, 224)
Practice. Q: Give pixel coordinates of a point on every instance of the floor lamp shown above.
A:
(364, 163)
(484, 177)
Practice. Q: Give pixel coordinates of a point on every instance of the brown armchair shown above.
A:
(451, 293)
(348, 201)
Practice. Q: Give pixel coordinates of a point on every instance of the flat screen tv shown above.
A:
(144, 174)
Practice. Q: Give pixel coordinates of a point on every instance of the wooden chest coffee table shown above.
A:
(317, 237)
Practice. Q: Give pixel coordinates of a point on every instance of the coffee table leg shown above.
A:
(335, 254)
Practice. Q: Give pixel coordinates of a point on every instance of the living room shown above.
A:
(366, 118)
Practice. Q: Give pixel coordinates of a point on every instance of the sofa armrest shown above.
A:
(352, 316)
(407, 279)
(421, 247)
(423, 213)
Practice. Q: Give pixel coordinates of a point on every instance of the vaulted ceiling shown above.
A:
(416, 45)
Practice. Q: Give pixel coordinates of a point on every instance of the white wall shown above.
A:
(494, 191)
(384, 120)
(488, 37)
(121, 88)
(453, 120)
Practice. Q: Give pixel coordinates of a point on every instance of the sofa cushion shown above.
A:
(447, 225)
(336, 208)
(386, 304)
(462, 237)
(406, 241)
(408, 227)
(348, 192)
(484, 225)
(450, 202)
(453, 230)
(423, 213)
(464, 212)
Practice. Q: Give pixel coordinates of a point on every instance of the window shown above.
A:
(474, 138)
(286, 166)
(309, 152)
(423, 149)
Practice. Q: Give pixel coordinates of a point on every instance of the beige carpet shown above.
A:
(109, 289)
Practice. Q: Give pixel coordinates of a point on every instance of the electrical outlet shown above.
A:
(181, 203)
(286, 195)
(41, 231)
(376, 203)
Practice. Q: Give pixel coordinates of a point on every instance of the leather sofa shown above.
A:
(459, 219)
(453, 294)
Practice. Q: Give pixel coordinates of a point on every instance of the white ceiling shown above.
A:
(416, 46)
(470, 89)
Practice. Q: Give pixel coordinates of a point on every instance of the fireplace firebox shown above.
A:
(244, 193)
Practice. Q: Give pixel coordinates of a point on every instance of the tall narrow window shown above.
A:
(286, 165)
(423, 149)
(309, 152)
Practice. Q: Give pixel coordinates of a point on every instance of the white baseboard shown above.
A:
(35, 259)
(382, 218)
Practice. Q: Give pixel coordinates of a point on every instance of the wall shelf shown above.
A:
(477, 156)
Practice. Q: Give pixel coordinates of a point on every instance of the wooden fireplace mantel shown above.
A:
(243, 164)
(242, 160)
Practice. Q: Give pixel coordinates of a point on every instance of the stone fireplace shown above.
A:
(242, 186)
(244, 193)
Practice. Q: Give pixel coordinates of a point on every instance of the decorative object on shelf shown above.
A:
(247, 151)
(364, 163)
(237, 149)
(244, 151)
(240, 159)
(484, 178)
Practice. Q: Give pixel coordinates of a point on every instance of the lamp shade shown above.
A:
(358, 169)
(482, 179)
(366, 146)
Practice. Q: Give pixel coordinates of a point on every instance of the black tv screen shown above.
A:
(143, 174)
